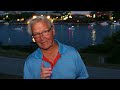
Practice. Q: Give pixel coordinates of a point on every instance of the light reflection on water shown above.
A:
(76, 35)
(93, 37)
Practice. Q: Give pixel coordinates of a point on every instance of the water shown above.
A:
(14, 35)
(78, 36)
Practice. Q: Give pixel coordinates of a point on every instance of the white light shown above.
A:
(70, 16)
(77, 20)
(94, 16)
(7, 16)
(34, 17)
(48, 17)
(52, 20)
(18, 19)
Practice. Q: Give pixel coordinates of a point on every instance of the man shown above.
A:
(52, 60)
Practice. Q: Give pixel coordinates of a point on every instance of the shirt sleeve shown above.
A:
(81, 71)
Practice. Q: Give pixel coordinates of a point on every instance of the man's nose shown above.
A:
(41, 36)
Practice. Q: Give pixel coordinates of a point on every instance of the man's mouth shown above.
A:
(44, 42)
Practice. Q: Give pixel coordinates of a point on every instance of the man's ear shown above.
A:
(53, 29)
(33, 39)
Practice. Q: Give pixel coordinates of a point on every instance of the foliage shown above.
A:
(110, 47)
(116, 15)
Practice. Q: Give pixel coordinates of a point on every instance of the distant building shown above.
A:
(2, 13)
(101, 13)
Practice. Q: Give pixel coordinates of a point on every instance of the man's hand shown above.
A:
(45, 72)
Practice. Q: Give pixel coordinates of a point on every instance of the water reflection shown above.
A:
(93, 37)
(112, 29)
(9, 40)
(91, 26)
(93, 33)
(71, 33)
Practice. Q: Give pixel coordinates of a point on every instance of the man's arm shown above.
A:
(81, 71)
(27, 72)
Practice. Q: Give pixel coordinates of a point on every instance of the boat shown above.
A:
(6, 23)
(93, 23)
(72, 28)
(116, 23)
(104, 24)
(1, 20)
(18, 28)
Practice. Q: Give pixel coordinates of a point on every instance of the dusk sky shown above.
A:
(73, 12)
(80, 12)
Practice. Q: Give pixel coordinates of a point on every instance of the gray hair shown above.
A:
(31, 21)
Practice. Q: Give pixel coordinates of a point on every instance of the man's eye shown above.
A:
(44, 32)
(36, 34)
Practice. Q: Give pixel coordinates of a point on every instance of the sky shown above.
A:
(80, 12)
(72, 12)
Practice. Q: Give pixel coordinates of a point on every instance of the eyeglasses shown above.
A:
(44, 33)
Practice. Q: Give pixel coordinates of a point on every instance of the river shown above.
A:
(76, 35)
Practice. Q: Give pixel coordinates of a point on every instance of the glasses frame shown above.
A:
(42, 33)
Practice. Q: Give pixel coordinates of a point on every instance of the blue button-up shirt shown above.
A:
(69, 65)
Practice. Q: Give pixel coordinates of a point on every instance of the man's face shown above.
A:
(43, 34)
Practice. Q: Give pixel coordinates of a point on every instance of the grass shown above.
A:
(13, 53)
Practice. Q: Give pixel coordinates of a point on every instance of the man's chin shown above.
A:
(45, 48)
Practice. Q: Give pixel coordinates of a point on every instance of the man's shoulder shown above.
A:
(68, 48)
(33, 55)
(65, 47)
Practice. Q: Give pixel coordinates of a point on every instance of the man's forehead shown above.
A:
(41, 23)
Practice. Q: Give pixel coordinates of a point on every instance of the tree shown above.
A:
(116, 15)
(113, 43)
